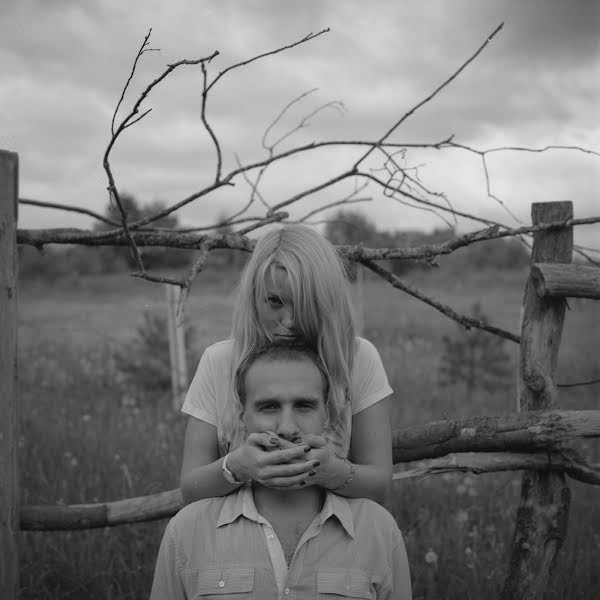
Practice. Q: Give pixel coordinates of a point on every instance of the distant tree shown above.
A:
(475, 359)
(411, 239)
(116, 258)
(349, 227)
(231, 259)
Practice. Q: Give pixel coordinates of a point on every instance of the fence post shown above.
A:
(177, 354)
(9, 408)
(542, 515)
(358, 297)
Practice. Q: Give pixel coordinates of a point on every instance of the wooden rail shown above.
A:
(575, 281)
(510, 442)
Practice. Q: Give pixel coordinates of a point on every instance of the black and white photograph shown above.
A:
(299, 299)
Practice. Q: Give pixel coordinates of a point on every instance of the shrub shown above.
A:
(144, 362)
(475, 359)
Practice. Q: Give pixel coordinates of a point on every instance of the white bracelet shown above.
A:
(350, 477)
(229, 476)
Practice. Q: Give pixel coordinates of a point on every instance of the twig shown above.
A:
(208, 127)
(468, 322)
(187, 283)
(432, 95)
(344, 202)
(141, 51)
(253, 186)
(306, 38)
(577, 384)
(64, 207)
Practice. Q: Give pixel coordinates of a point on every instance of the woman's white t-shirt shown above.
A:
(207, 396)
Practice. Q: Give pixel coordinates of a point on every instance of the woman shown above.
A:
(294, 287)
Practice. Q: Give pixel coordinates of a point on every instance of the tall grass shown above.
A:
(84, 440)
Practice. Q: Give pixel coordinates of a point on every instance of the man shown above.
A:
(266, 543)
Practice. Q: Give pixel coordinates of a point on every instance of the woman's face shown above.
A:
(276, 308)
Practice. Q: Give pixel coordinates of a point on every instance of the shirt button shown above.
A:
(286, 591)
(221, 583)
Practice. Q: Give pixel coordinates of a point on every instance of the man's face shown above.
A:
(286, 397)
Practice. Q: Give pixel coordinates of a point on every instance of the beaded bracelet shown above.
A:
(350, 477)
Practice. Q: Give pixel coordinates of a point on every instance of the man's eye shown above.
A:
(305, 407)
(268, 407)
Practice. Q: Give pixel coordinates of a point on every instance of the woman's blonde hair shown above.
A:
(322, 305)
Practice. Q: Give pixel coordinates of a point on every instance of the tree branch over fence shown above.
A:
(227, 179)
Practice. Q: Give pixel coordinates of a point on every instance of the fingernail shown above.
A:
(273, 441)
(307, 449)
(303, 483)
(316, 463)
(311, 473)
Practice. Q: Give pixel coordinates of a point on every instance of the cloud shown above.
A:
(64, 64)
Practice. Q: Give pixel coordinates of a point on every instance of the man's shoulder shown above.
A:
(369, 512)
(205, 510)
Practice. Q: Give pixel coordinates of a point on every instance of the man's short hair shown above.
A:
(280, 351)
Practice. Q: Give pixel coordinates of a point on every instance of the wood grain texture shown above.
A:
(9, 408)
(573, 281)
(542, 514)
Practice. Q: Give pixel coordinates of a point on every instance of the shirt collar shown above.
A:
(241, 503)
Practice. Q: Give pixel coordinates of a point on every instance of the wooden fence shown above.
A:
(536, 439)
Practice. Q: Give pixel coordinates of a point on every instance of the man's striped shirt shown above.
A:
(222, 547)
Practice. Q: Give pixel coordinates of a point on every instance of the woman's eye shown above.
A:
(274, 301)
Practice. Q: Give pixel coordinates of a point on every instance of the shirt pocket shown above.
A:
(343, 583)
(235, 583)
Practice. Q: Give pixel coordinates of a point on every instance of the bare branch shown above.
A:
(187, 283)
(492, 196)
(64, 207)
(156, 278)
(306, 38)
(208, 127)
(334, 104)
(523, 149)
(432, 95)
(280, 116)
(468, 322)
(143, 48)
(172, 239)
(273, 218)
(492, 462)
(253, 185)
(578, 384)
(316, 188)
(343, 202)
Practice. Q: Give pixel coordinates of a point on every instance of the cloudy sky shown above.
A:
(63, 64)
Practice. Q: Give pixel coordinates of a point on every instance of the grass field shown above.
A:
(82, 441)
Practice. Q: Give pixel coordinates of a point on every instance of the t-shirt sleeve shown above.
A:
(201, 398)
(369, 380)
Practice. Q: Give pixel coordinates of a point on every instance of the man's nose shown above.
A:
(287, 427)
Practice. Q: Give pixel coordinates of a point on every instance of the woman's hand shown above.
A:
(272, 461)
(325, 468)
(328, 471)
